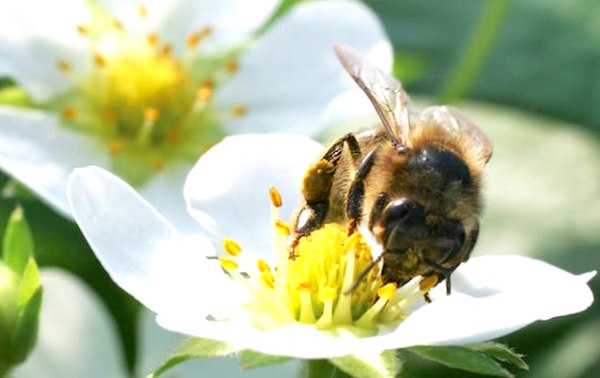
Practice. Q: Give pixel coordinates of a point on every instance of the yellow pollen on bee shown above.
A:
(195, 38)
(142, 10)
(205, 92)
(152, 39)
(82, 29)
(151, 114)
(228, 264)
(159, 165)
(231, 247)
(99, 59)
(64, 66)
(239, 111)
(275, 197)
(387, 291)
(232, 66)
(427, 283)
(115, 147)
(69, 113)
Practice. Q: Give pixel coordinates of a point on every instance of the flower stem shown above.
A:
(475, 52)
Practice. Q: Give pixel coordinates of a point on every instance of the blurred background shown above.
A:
(529, 74)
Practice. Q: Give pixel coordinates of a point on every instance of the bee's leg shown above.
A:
(356, 193)
(316, 188)
(380, 203)
(448, 285)
(427, 297)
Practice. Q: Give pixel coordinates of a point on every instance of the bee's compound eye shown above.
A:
(405, 212)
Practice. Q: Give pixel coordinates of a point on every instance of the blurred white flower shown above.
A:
(268, 303)
(143, 88)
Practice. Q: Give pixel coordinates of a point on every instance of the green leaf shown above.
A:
(192, 349)
(30, 282)
(250, 359)
(18, 243)
(462, 358)
(386, 364)
(26, 329)
(501, 352)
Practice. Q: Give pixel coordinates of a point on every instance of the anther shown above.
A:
(232, 66)
(231, 247)
(228, 264)
(82, 29)
(166, 49)
(282, 227)
(142, 10)
(99, 59)
(262, 265)
(159, 165)
(151, 114)
(115, 146)
(275, 197)
(195, 38)
(69, 113)
(268, 279)
(64, 66)
(239, 110)
(387, 291)
(205, 92)
(152, 39)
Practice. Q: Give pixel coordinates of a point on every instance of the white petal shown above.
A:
(228, 189)
(76, 335)
(37, 151)
(140, 250)
(156, 343)
(491, 297)
(231, 20)
(35, 35)
(291, 76)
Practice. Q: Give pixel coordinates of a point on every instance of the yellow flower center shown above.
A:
(319, 286)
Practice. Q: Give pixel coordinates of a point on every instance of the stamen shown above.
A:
(232, 66)
(82, 29)
(343, 310)
(152, 39)
(326, 296)
(239, 111)
(228, 264)
(268, 279)
(196, 37)
(69, 113)
(159, 165)
(99, 59)
(166, 49)
(115, 146)
(64, 66)
(385, 293)
(262, 265)
(282, 227)
(118, 25)
(142, 10)
(275, 197)
(307, 314)
(205, 92)
(231, 247)
(144, 133)
(151, 114)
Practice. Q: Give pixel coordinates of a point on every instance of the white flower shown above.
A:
(281, 310)
(78, 339)
(142, 88)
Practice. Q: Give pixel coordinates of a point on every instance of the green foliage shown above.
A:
(18, 243)
(250, 359)
(193, 349)
(386, 364)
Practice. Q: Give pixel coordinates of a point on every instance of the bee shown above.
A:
(414, 181)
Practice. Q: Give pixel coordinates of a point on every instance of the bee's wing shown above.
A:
(454, 121)
(386, 93)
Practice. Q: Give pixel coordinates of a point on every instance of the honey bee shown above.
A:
(414, 181)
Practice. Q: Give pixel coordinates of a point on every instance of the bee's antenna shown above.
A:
(363, 274)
